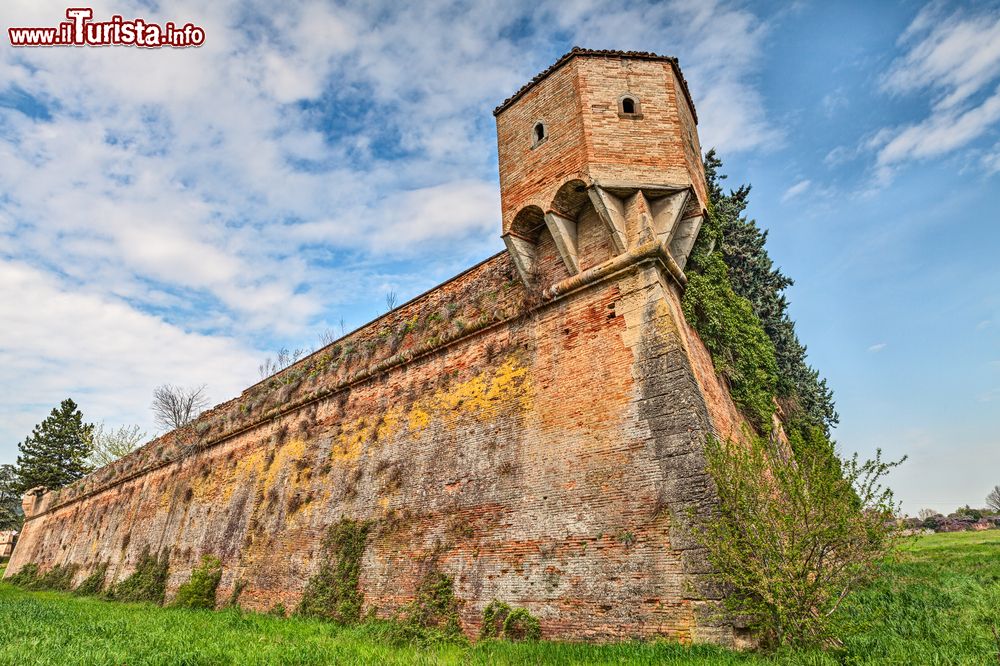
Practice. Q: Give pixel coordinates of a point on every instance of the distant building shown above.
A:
(7, 540)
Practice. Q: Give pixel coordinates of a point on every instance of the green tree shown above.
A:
(11, 516)
(110, 444)
(968, 512)
(741, 244)
(55, 453)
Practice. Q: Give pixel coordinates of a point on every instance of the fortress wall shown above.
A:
(547, 459)
(541, 445)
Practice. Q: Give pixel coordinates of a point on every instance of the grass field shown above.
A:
(936, 605)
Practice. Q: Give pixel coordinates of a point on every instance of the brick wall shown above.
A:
(545, 460)
(542, 450)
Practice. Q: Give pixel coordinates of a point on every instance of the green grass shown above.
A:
(934, 606)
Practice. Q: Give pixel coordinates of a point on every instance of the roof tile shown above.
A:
(577, 51)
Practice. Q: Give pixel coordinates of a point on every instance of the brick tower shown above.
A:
(605, 134)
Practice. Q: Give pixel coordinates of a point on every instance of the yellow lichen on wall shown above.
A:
(284, 456)
(483, 397)
(205, 485)
(418, 418)
(248, 464)
(389, 423)
(352, 437)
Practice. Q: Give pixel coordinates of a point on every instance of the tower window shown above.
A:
(628, 107)
(538, 134)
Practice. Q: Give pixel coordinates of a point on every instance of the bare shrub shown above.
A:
(993, 499)
(175, 406)
(281, 360)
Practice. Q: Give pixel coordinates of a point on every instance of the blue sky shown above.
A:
(178, 215)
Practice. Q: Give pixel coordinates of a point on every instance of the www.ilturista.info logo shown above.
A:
(79, 30)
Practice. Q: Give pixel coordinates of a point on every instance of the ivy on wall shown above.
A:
(735, 300)
(333, 592)
(741, 350)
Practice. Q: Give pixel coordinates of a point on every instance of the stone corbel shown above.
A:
(611, 210)
(524, 253)
(563, 232)
(684, 237)
(666, 212)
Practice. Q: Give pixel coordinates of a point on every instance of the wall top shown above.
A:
(577, 51)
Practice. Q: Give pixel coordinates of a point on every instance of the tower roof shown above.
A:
(594, 53)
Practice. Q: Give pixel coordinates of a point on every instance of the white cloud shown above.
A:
(839, 155)
(940, 133)
(59, 342)
(795, 190)
(953, 56)
(222, 199)
(953, 59)
(876, 348)
(991, 160)
(834, 102)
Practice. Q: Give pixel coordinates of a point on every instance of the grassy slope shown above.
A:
(933, 607)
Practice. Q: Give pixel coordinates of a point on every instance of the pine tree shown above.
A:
(55, 453)
(11, 516)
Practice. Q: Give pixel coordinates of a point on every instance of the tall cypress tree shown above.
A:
(753, 276)
(55, 453)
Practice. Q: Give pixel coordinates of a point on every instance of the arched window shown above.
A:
(538, 134)
(628, 107)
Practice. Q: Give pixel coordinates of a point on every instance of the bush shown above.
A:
(147, 583)
(94, 583)
(432, 616)
(333, 593)
(25, 576)
(794, 534)
(199, 591)
(434, 606)
(514, 624)
(494, 615)
(521, 625)
(58, 578)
